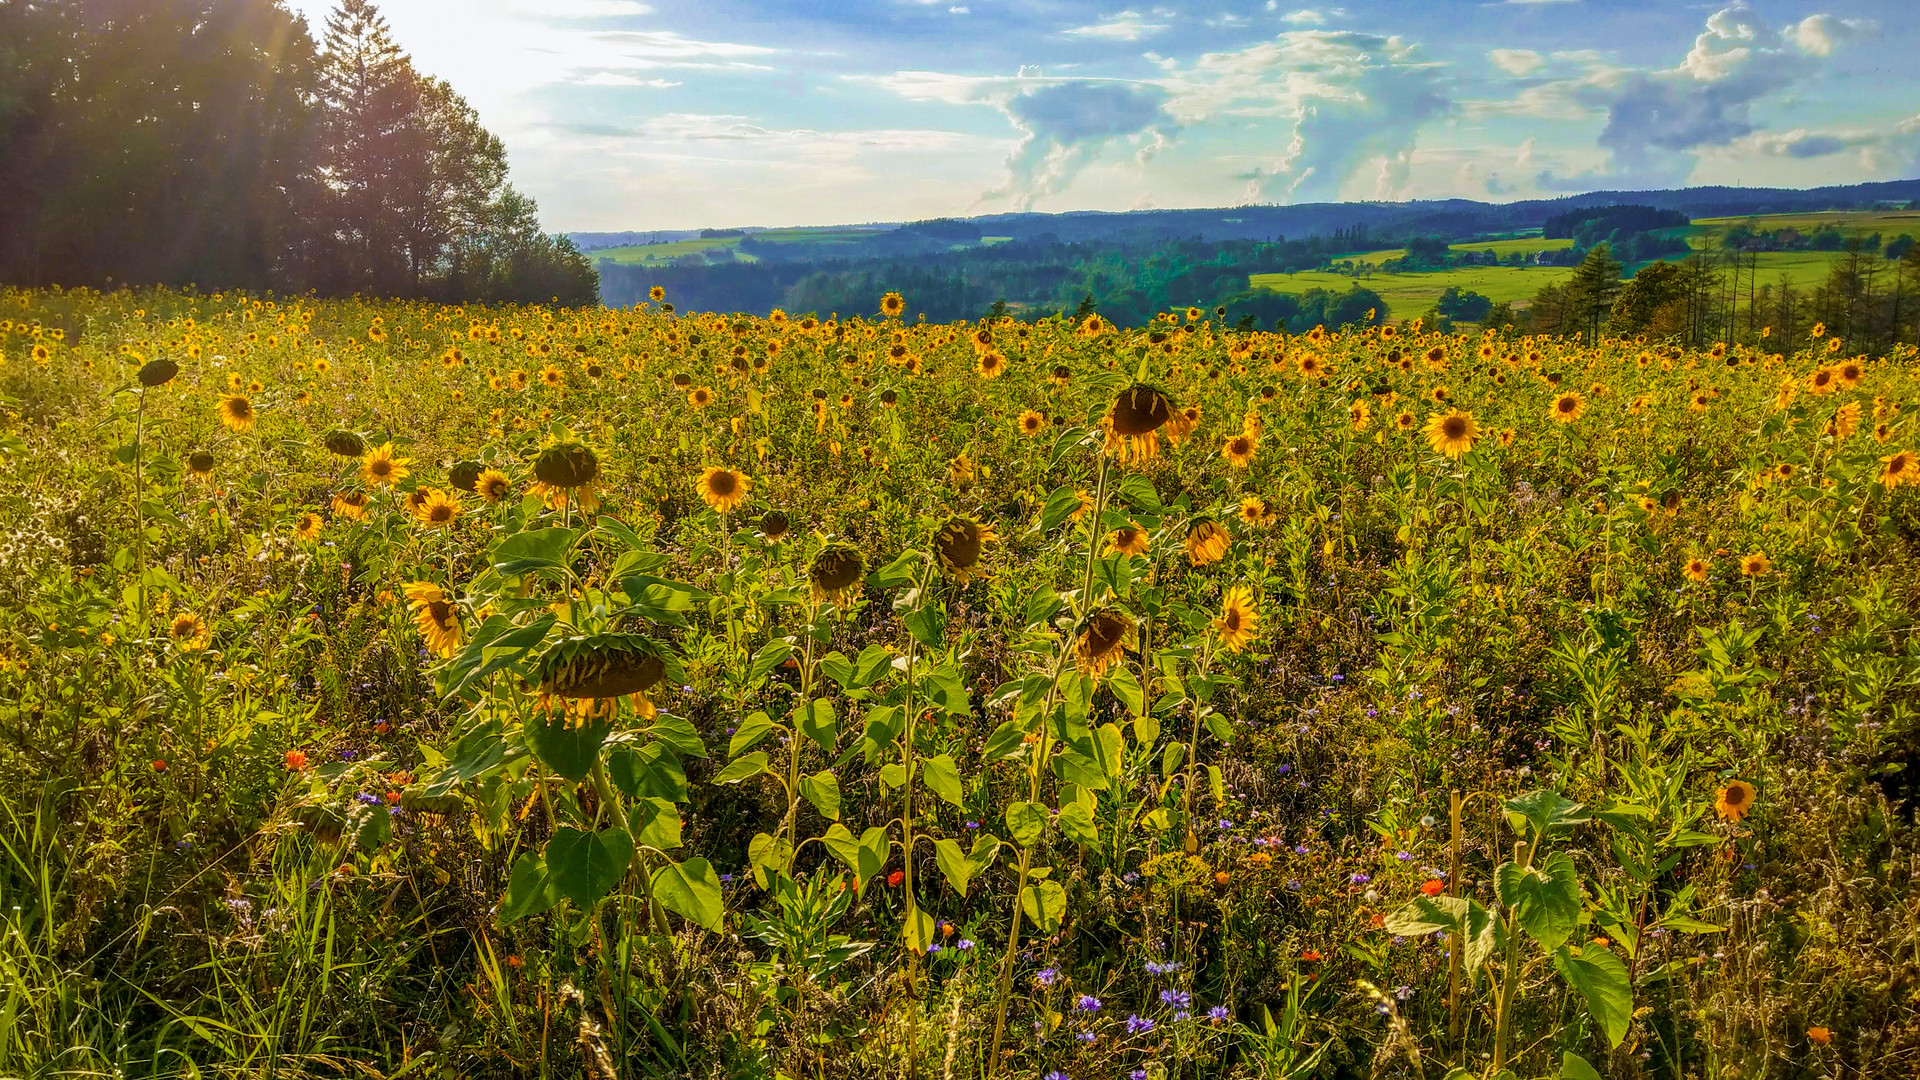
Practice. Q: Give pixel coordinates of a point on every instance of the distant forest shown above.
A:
(1130, 266)
(214, 142)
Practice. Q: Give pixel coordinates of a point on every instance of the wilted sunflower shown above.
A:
(1136, 419)
(1239, 449)
(435, 615)
(157, 372)
(344, 443)
(492, 485)
(200, 463)
(1128, 539)
(1452, 433)
(1755, 564)
(722, 488)
(891, 305)
(381, 467)
(586, 677)
(187, 632)
(1734, 801)
(465, 476)
(1103, 641)
(836, 573)
(351, 505)
(1900, 468)
(1238, 620)
(1568, 407)
(236, 412)
(307, 529)
(437, 511)
(959, 544)
(1207, 542)
(1697, 569)
(774, 525)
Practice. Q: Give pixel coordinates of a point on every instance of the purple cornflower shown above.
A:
(1218, 1014)
(1087, 1003)
(1138, 1025)
(1046, 976)
(1179, 999)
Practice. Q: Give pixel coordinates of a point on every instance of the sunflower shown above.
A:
(722, 488)
(437, 511)
(351, 505)
(307, 529)
(774, 525)
(1568, 407)
(991, 364)
(1128, 539)
(1824, 381)
(1238, 620)
(492, 485)
(200, 463)
(236, 412)
(1103, 641)
(1405, 421)
(1135, 420)
(1239, 450)
(381, 467)
(1359, 415)
(656, 294)
(344, 443)
(1452, 433)
(1850, 373)
(958, 546)
(1755, 564)
(1207, 542)
(585, 677)
(835, 573)
(1031, 422)
(1255, 511)
(1734, 801)
(187, 632)
(435, 615)
(1900, 468)
(891, 305)
(1697, 569)
(700, 397)
(157, 373)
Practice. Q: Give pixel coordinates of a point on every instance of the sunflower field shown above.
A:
(398, 690)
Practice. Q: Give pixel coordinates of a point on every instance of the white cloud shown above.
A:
(1817, 35)
(1516, 61)
(615, 78)
(1309, 16)
(1125, 26)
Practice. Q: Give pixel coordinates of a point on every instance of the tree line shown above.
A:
(216, 143)
(1869, 300)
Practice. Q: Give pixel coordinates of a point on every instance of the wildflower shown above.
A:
(1820, 1035)
(380, 466)
(1697, 569)
(188, 633)
(1138, 1025)
(1432, 887)
(1087, 1003)
(1452, 433)
(296, 761)
(1733, 801)
(894, 879)
(722, 488)
(435, 616)
(958, 545)
(1755, 564)
(1238, 620)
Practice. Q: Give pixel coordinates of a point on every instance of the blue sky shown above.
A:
(644, 114)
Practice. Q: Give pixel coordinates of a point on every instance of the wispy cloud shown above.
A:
(1124, 26)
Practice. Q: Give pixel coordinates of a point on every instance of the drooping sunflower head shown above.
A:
(346, 444)
(157, 372)
(1128, 539)
(774, 525)
(200, 463)
(1139, 410)
(465, 476)
(236, 412)
(1207, 542)
(1103, 641)
(588, 675)
(722, 488)
(351, 505)
(1733, 801)
(567, 464)
(835, 573)
(958, 546)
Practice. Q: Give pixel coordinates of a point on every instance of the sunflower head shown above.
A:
(236, 412)
(1207, 542)
(346, 444)
(1140, 410)
(1733, 801)
(158, 372)
(958, 546)
(200, 463)
(892, 305)
(601, 666)
(187, 632)
(492, 485)
(835, 572)
(722, 488)
(1103, 640)
(567, 465)
(774, 525)
(465, 476)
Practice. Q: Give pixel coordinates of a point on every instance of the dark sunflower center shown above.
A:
(1105, 633)
(1566, 404)
(440, 514)
(723, 484)
(1454, 427)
